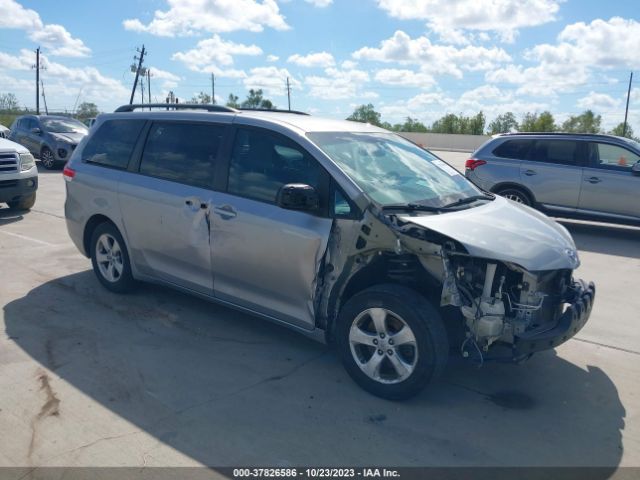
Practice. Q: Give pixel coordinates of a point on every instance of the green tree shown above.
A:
(202, 98)
(232, 101)
(410, 125)
(255, 99)
(586, 122)
(618, 130)
(452, 123)
(8, 102)
(532, 122)
(87, 110)
(365, 114)
(504, 123)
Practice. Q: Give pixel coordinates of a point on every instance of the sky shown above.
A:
(418, 58)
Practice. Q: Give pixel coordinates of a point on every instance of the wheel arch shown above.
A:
(516, 186)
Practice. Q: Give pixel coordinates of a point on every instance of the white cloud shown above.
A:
(55, 38)
(187, 17)
(435, 59)
(338, 84)
(272, 58)
(271, 80)
(320, 3)
(320, 59)
(169, 80)
(598, 101)
(407, 78)
(581, 50)
(210, 54)
(504, 17)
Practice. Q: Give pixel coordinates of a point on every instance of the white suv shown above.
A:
(18, 176)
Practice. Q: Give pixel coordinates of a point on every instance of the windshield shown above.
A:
(392, 170)
(63, 125)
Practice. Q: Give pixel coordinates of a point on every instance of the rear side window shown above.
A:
(516, 149)
(113, 143)
(562, 152)
(261, 163)
(182, 152)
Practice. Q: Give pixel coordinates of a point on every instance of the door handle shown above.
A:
(227, 212)
(594, 180)
(530, 173)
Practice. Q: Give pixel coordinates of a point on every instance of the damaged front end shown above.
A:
(497, 305)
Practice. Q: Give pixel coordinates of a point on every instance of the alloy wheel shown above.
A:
(109, 258)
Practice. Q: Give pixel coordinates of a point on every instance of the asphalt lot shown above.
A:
(158, 378)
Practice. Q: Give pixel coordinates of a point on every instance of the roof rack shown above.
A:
(177, 106)
(557, 133)
(275, 110)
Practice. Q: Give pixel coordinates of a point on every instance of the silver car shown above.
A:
(595, 177)
(343, 231)
(50, 138)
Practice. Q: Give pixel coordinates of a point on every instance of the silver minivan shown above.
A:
(340, 230)
(596, 177)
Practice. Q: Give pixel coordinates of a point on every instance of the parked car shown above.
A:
(50, 138)
(568, 175)
(4, 132)
(340, 230)
(18, 176)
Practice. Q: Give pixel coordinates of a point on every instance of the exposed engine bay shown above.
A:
(493, 302)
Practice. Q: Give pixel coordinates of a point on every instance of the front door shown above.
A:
(608, 185)
(266, 258)
(166, 204)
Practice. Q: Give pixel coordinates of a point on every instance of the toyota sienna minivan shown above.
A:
(340, 230)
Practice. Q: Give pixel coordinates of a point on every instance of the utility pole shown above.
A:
(288, 93)
(137, 70)
(44, 98)
(213, 89)
(37, 67)
(149, 85)
(626, 112)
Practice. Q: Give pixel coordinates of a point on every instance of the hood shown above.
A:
(506, 231)
(70, 137)
(9, 146)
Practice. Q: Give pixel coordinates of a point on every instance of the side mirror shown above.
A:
(298, 196)
(635, 170)
(36, 130)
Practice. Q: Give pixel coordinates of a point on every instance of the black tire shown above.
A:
(47, 159)
(425, 323)
(517, 195)
(25, 203)
(122, 281)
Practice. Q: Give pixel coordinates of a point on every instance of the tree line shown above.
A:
(586, 122)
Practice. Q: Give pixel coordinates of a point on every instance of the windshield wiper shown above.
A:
(464, 201)
(412, 207)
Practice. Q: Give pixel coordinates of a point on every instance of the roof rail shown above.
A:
(177, 106)
(275, 110)
(557, 133)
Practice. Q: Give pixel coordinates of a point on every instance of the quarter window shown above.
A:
(113, 143)
(613, 156)
(182, 152)
(261, 163)
(563, 152)
(516, 149)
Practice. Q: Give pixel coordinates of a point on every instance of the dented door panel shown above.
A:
(266, 258)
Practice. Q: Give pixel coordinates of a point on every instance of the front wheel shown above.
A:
(47, 159)
(516, 195)
(392, 341)
(110, 259)
(25, 203)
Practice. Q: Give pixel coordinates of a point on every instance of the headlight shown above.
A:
(27, 162)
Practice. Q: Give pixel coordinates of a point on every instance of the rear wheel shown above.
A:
(392, 341)
(25, 203)
(110, 259)
(517, 195)
(47, 159)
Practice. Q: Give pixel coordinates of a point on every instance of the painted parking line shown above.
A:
(24, 237)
